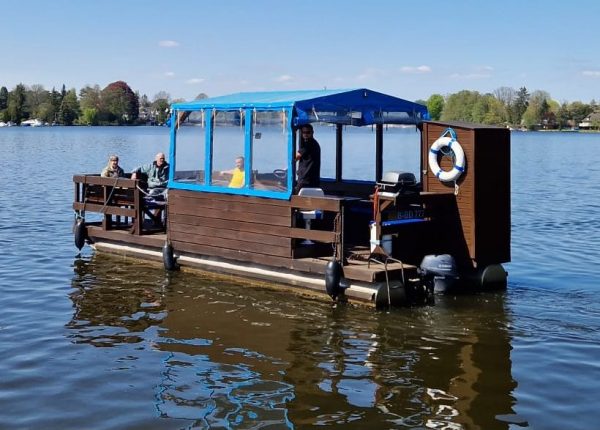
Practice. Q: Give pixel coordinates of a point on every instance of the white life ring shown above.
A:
(459, 159)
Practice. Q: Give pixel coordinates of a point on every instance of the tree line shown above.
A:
(511, 108)
(118, 104)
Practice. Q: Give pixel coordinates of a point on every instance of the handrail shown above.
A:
(120, 197)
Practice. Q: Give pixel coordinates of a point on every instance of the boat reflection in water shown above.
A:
(238, 355)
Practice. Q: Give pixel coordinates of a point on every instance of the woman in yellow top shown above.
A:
(237, 173)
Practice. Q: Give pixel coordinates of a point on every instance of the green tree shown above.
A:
(496, 113)
(90, 97)
(519, 105)
(435, 106)
(506, 96)
(460, 106)
(89, 116)
(16, 104)
(3, 98)
(563, 116)
(160, 110)
(160, 107)
(69, 108)
(4, 115)
(579, 111)
(35, 97)
(55, 101)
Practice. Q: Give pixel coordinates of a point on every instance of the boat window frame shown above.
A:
(246, 190)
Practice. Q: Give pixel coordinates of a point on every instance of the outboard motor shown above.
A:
(439, 273)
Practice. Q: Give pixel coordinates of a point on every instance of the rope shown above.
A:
(375, 202)
(336, 241)
(109, 196)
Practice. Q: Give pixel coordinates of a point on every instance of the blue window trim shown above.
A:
(248, 139)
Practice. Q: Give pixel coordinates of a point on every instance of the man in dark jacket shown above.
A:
(309, 160)
(157, 173)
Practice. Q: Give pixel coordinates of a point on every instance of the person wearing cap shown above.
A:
(157, 173)
(112, 169)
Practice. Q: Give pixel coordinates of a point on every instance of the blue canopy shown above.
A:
(353, 106)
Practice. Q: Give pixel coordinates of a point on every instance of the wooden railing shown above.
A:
(334, 223)
(120, 198)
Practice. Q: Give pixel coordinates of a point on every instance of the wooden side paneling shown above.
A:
(244, 228)
(492, 191)
(480, 230)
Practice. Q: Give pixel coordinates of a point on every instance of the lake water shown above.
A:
(91, 341)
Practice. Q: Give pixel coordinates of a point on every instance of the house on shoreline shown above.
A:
(592, 121)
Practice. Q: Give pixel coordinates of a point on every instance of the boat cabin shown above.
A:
(392, 207)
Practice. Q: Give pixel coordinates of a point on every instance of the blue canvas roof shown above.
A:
(374, 107)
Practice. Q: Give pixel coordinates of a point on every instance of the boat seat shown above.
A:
(308, 216)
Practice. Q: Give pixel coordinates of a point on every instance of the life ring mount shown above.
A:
(443, 144)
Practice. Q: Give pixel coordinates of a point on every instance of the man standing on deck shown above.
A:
(309, 160)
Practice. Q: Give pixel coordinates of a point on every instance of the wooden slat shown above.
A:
(312, 203)
(250, 257)
(191, 220)
(155, 241)
(243, 236)
(199, 195)
(317, 235)
(235, 216)
(109, 182)
(234, 245)
(247, 207)
(376, 272)
(108, 210)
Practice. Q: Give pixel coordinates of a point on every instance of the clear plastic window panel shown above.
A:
(359, 153)
(227, 148)
(402, 149)
(190, 152)
(325, 135)
(269, 151)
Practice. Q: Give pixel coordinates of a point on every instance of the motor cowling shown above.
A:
(439, 272)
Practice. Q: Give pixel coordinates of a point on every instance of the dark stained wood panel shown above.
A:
(191, 220)
(231, 254)
(243, 236)
(234, 245)
(248, 208)
(227, 198)
(126, 238)
(475, 225)
(195, 210)
(241, 228)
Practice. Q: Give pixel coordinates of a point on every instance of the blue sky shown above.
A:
(407, 49)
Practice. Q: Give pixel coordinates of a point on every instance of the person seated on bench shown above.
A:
(237, 173)
(112, 169)
(157, 174)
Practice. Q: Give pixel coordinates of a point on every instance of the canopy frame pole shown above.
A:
(338, 152)
(378, 152)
